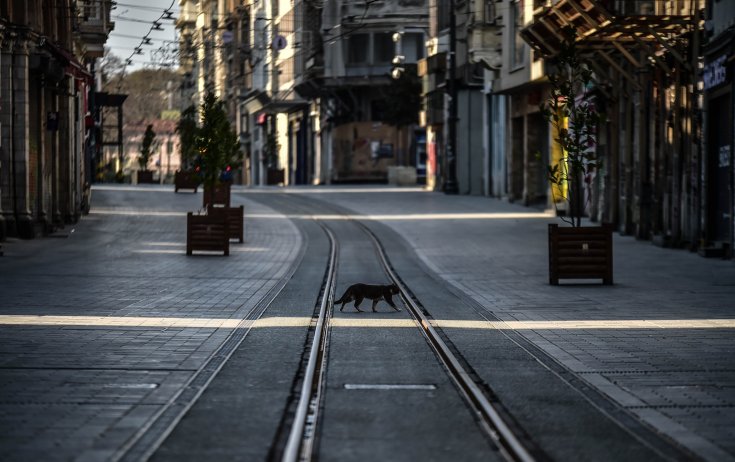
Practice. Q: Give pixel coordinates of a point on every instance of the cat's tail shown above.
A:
(343, 298)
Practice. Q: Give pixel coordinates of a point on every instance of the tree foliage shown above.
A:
(403, 97)
(217, 144)
(147, 147)
(150, 91)
(571, 111)
(187, 130)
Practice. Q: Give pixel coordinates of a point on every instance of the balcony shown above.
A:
(94, 25)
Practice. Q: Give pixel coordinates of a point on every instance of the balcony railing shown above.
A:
(93, 17)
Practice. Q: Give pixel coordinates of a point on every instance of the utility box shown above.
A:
(402, 176)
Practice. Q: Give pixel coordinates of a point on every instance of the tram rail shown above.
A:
(300, 445)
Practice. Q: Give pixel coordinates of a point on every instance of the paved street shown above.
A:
(108, 332)
(632, 341)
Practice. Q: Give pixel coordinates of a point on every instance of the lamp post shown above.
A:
(450, 178)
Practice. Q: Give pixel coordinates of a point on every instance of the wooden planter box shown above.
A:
(145, 176)
(235, 220)
(275, 176)
(186, 180)
(580, 253)
(218, 194)
(207, 232)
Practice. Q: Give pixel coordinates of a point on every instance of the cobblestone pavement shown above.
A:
(659, 342)
(102, 327)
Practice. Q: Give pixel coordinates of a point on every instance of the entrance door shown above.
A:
(538, 158)
(719, 140)
(516, 175)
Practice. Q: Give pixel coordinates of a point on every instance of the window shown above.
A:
(384, 48)
(245, 32)
(442, 15)
(519, 46)
(358, 46)
(412, 45)
(489, 11)
(91, 11)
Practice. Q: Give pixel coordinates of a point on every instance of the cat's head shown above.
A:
(394, 289)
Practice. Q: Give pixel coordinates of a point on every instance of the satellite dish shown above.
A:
(279, 43)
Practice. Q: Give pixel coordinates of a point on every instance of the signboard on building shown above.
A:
(715, 72)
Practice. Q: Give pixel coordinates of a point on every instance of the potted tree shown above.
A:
(575, 252)
(271, 147)
(147, 150)
(218, 150)
(186, 177)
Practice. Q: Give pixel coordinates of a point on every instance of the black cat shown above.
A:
(358, 292)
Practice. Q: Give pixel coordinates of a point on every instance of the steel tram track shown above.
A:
(300, 444)
(149, 438)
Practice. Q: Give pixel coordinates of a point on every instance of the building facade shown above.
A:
(519, 88)
(718, 164)
(464, 53)
(46, 80)
(307, 83)
(645, 59)
(309, 88)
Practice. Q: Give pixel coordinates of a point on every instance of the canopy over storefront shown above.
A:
(601, 32)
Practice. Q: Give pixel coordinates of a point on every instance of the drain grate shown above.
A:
(143, 386)
(386, 386)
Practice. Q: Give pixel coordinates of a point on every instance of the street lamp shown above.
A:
(450, 178)
(397, 69)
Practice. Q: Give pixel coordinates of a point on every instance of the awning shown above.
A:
(105, 99)
(286, 106)
(599, 32)
(257, 100)
(254, 100)
(72, 65)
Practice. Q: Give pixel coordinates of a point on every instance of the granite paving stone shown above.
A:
(678, 380)
(80, 392)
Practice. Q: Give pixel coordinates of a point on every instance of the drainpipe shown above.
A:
(3, 228)
(13, 181)
(450, 182)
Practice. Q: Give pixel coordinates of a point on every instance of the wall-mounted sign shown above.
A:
(52, 121)
(724, 160)
(227, 36)
(715, 72)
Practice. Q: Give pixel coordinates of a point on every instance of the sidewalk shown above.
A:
(659, 342)
(102, 327)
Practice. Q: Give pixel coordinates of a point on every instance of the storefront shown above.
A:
(718, 137)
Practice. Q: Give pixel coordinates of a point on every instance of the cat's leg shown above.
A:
(375, 302)
(389, 300)
(346, 298)
(358, 300)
